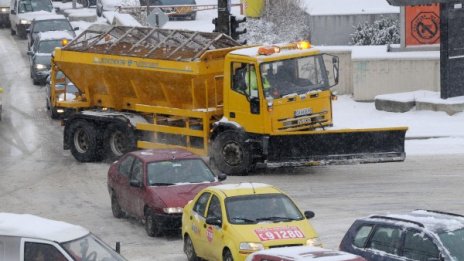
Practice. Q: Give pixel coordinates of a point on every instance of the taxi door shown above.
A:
(198, 225)
(214, 232)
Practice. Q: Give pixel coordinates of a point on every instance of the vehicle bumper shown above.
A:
(169, 221)
(21, 29)
(40, 75)
(336, 147)
(4, 19)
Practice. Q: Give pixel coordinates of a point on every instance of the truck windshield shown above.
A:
(91, 248)
(294, 76)
(34, 6)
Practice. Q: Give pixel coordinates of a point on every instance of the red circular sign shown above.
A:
(425, 27)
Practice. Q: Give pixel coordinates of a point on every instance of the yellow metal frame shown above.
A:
(185, 116)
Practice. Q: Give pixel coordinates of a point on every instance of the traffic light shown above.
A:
(235, 22)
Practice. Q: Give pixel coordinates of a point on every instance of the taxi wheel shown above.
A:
(227, 256)
(152, 226)
(189, 249)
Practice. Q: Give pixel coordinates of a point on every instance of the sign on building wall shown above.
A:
(422, 24)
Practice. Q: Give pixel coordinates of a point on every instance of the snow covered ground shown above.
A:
(429, 132)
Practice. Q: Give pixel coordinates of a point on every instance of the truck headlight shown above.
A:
(251, 246)
(23, 21)
(314, 242)
(4, 10)
(173, 210)
(40, 67)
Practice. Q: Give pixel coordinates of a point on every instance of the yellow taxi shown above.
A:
(229, 222)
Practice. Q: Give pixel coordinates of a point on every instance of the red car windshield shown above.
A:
(165, 173)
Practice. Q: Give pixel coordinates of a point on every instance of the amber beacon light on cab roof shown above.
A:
(240, 105)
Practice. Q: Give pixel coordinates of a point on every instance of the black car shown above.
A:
(41, 52)
(4, 13)
(48, 23)
(423, 235)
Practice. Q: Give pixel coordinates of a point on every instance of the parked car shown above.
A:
(22, 12)
(155, 185)
(48, 23)
(65, 90)
(176, 12)
(229, 222)
(423, 235)
(41, 53)
(28, 237)
(112, 5)
(302, 253)
(4, 13)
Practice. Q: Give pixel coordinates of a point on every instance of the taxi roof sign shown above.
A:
(421, 2)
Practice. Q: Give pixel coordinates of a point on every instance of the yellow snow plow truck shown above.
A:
(240, 105)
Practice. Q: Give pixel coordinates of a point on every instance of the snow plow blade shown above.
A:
(337, 147)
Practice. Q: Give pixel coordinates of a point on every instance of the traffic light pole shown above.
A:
(221, 23)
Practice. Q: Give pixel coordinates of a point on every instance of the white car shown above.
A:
(23, 11)
(29, 237)
(112, 5)
(302, 253)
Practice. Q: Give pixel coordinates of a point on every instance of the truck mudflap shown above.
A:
(348, 146)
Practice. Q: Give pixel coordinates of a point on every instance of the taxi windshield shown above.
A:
(294, 76)
(91, 248)
(253, 209)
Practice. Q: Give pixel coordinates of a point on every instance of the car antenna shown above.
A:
(253, 187)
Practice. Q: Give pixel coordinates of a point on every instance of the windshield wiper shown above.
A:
(250, 221)
(162, 184)
(276, 219)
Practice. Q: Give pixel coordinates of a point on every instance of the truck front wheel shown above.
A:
(119, 140)
(230, 153)
(84, 141)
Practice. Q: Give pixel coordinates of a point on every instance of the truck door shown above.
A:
(244, 105)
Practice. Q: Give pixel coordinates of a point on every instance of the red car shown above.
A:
(155, 185)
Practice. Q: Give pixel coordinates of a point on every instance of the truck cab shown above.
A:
(281, 89)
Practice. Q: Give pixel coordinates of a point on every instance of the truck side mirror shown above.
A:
(254, 105)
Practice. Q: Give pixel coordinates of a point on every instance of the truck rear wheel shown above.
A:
(231, 154)
(119, 140)
(84, 141)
